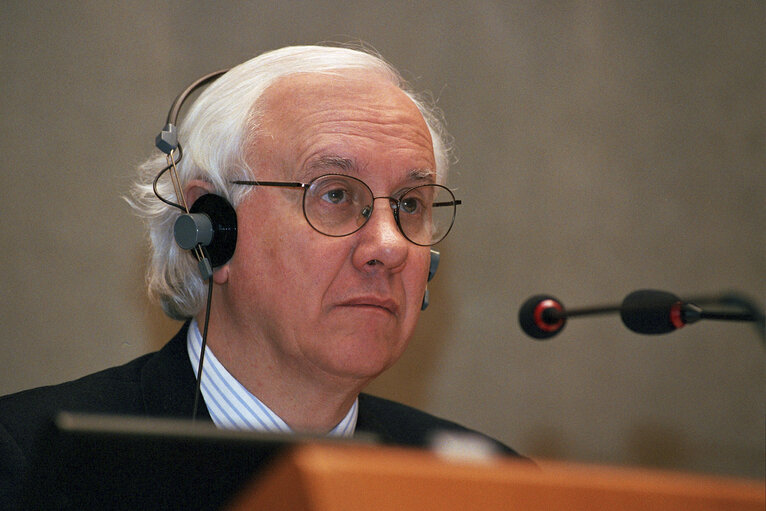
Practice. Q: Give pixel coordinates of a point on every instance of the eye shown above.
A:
(411, 205)
(333, 190)
(336, 196)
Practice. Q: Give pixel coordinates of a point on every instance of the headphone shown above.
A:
(209, 227)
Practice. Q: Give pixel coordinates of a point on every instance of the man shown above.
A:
(335, 171)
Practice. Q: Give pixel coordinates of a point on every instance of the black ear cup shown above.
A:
(218, 216)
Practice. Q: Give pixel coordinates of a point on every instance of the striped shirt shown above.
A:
(232, 406)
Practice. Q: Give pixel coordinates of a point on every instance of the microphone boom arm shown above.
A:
(645, 312)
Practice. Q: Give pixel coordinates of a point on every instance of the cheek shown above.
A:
(264, 239)
(259, 263)
(290, 266)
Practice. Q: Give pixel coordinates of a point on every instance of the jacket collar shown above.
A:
(168, 381)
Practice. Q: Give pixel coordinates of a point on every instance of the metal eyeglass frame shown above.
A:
(394, 203)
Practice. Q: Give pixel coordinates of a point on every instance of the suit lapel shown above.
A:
(168, 381)
(369, 422)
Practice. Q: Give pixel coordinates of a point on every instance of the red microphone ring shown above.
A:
(676, 315)
(538, 315)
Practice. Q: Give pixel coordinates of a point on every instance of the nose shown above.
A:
(380, 242)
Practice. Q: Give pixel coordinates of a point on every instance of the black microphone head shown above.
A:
(541, 316)
(648, 311)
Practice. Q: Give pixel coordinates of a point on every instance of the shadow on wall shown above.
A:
(546, 443)
(647, 445)
(656, 445)
(660, 446)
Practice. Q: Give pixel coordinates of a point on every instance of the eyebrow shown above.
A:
(349, 166)
(422, 175)
(334, 162)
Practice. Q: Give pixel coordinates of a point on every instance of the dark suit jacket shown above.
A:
(162, 384)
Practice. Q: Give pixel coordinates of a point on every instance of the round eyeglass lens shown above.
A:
(335, 204)
(426, 213)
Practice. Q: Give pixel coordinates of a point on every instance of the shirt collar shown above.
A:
(232, 406)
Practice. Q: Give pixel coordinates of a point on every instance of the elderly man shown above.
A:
(335, 171)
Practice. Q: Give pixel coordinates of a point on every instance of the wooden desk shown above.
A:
(339, 478)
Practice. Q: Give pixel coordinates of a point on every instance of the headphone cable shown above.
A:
(197, 391)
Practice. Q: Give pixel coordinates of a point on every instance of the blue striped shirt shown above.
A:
(232, 406)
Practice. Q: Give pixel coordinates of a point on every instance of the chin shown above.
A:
(364, 359)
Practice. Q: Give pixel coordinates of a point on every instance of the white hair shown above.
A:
(214, 136)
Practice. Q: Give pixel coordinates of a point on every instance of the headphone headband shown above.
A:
(167, 140)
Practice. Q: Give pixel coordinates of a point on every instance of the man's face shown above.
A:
(313, 304)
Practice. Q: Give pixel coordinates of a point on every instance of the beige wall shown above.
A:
(604, 147)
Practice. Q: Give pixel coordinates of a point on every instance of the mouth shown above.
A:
(371, 303)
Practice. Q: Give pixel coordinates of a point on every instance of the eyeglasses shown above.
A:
(339, 205)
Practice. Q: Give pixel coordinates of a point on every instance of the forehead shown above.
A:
(354, 116)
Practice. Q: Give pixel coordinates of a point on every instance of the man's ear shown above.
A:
(221, 274)
(195, 189)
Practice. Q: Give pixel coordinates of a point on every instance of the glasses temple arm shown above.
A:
(455, 202)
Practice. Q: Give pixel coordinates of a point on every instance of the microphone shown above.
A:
(540, 316)
(652, 312)
(543, 316)
(648, 311)
(645, 311)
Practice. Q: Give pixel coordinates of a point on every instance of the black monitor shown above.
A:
(115, 462)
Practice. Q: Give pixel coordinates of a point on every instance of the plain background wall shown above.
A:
(603, 147)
